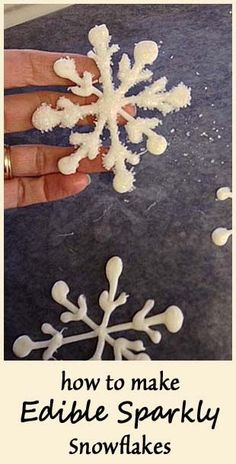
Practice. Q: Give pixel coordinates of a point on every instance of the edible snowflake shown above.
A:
(110, 103)
(123, 348)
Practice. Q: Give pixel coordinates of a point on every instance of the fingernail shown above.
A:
(89, 179)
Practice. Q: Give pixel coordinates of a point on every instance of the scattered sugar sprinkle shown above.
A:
(185, 154)
(188, 134)
(212, 104)
(200, 115)
(197, 73)
(212, 161)
(222, 162)
(204, 134)
(219, 136)
(211, 139)
(172, 130)
(205, 88)
(171, 57)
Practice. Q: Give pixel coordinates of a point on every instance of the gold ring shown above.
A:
(7, 163)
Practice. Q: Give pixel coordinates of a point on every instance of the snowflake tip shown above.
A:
(145, 52)
(23, 346)
(60, 291)
(99, 34)
(65, 67)
(123, 181)
(45, 118)
(156, 144)
(173, 319)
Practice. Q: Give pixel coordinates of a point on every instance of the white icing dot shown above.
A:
(223, 193)
(65, 67)
(23, 346)
(67, 165)
(98, 34)
(173, 319)
(156, 144)
(123, 181)
(45, 118)
(145, 52)
(220, 236)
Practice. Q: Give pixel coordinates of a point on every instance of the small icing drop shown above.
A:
(145, 52)
(223, 193)
(45, 118)
(23, 346)
(156, 144)
(123, 181)
(220, 236)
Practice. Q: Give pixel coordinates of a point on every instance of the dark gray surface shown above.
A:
(162, 230)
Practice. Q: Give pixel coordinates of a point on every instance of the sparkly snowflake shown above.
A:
(110, 103)
(172, 318)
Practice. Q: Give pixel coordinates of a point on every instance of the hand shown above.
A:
(34, 167)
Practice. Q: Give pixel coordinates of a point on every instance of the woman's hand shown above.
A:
(34, 167)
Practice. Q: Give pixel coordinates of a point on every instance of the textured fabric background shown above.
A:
(162, 229)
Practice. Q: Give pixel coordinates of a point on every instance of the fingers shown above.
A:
(18, 109)
(25, 68)
(38, 160)
(28, 191)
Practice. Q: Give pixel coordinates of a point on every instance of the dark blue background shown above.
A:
(166, 248)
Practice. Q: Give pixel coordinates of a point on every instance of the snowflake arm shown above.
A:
(110, 104)
(123, 348)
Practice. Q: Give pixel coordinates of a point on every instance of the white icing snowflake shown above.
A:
(172, 318)
(111, 103)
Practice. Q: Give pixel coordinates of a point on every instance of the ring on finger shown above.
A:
(8, 174)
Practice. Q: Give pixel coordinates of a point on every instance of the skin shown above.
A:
(35, 174)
